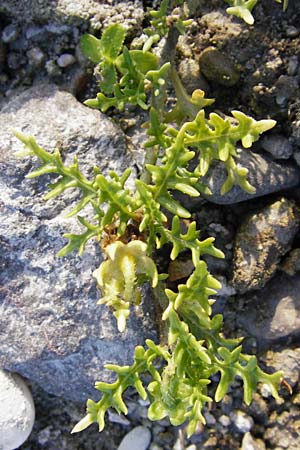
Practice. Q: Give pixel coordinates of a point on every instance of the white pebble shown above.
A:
(16, 411)
(242, 421)
(137, 439)
(65, 60)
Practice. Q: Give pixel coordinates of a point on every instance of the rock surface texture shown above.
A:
(272, 314)
(51, 329)
(261, 241)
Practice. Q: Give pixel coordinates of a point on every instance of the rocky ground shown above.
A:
(51, 331)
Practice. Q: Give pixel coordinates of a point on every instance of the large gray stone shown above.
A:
(265, 175)
(262, 239)
(272, 314)
(51, 330)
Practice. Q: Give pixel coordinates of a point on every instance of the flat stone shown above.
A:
(17, 411)
(265, 175)
(272, 314)
(51, 329)
(287, 360)
(137, 439)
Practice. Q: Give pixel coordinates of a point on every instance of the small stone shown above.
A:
(65, 60)
(210, 419)
(242, 421)
(118, 418)
(16, 412)
(191, 77)
(278, 146)
(35, 33)
(292, 32)
(35, 56)
(137, 439)
(52, 68)
(291, 264)
(249, 443)
(10, 33)
(293, 65)
(224, 420)
(218, 67)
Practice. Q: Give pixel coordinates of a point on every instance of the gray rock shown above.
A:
(272, 314)
(137, 439)
(287, 360)
(260, 242)
(65, 60)
(242, 422)
(218, 67)
(17, 411)
(10, 33)
(278, 146)
(249, 443)
(130, 13)
(35, 56)
(265, 175)
(51, 329)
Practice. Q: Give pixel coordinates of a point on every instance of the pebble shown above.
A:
(35, 56)
(10, 33)
(242, 421)
(224, 420)
(218, 67)
(277, 145)
(52, 68)
(17, 411)
(292, 32)
(65, 60)
(293, 65)
(249, 443)
(137, 439)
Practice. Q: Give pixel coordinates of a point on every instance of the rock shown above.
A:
(284, 430)
(65, 60)
(287, 360)
(10, 33)
(278, 146)
(241, 421)
(272, 314)
(265, 175)
(35, 56)
(130, 13)
(191, 77)
(291, 263)
(262, 239)
(16, 412)
(286, 89)
(51, 329)
(218, 68)
(249, 443)
(137, 439)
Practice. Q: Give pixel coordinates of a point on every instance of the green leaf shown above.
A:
(112, 41)
(143, 61)
(91, 47)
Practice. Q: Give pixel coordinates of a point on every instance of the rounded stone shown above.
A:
(65, 60)
(17, 411)
(137, 439)
(218, 67)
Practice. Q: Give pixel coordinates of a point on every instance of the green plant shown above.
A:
(135, 224)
